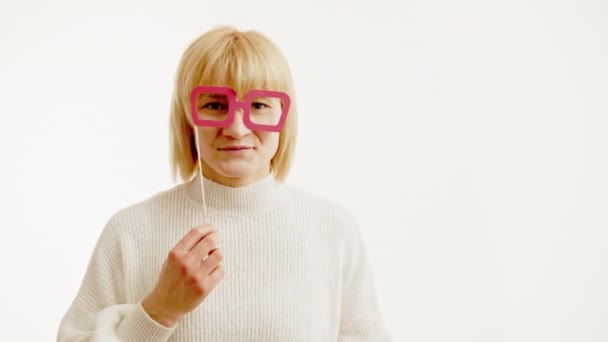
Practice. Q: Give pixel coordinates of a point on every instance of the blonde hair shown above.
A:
(242, 60)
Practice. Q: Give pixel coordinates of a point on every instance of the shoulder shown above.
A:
(141, 212)
(133, 221)
(337, 224)
(306, 197)
(330, 212)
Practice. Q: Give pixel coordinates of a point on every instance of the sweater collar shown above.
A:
(234, 201)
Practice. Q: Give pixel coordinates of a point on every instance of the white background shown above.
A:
(469, 138)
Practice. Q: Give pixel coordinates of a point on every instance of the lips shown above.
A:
(234, 148)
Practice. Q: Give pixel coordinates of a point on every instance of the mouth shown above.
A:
(235, 148)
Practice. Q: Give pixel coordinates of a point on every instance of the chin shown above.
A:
(235, 170)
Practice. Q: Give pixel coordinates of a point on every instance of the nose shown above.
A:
(237, 128)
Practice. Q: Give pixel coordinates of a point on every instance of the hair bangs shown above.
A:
(243, 67)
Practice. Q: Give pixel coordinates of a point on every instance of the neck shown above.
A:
(262, 194)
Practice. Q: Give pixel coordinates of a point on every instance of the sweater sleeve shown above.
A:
(99, 312)
(361, 317)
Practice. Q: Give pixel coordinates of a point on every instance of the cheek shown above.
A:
(270, 141)
(206, 138)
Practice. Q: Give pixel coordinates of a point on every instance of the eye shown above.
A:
(214, 106)
(258, 105)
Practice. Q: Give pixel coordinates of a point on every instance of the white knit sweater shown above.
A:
(296, 269)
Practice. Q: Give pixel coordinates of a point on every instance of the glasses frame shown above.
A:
(234, 104)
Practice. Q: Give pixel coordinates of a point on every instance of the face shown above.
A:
(236, 155)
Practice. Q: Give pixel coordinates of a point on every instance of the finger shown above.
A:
(217, 274)
(193, 237)
(204, 246)
(209, 282)
(215, 259)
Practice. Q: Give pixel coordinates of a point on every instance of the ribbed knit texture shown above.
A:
(296, 270)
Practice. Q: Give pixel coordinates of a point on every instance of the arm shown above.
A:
(361, 317)
(100, 312)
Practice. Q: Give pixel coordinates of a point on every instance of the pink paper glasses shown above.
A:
(263, 110)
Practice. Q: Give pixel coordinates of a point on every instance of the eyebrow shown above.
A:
(217, 96)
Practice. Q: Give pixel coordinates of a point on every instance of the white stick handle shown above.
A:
(200, 173)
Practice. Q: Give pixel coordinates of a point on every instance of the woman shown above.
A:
(291, 266)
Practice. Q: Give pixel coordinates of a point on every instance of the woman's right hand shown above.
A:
(186, 279)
